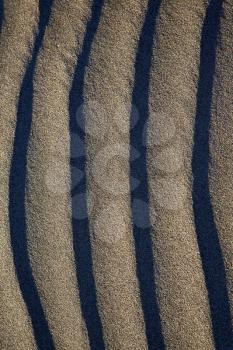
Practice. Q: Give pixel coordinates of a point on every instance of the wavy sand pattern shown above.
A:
(116, 175)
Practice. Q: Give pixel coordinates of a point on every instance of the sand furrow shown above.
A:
(221, 145)
(182, 293)
(107, 104)
(15, 325)
(48, 201)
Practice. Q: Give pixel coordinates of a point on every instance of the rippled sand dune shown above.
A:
(116, 190)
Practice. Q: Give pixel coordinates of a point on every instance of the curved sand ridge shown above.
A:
(15, 325)
(221, 127)
(107, 106)
(180, 281)
(48, 209)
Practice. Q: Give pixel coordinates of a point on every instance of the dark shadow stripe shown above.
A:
(17, 190)
(207, 235)
(81, 235)
(1, 13)
(139, 196)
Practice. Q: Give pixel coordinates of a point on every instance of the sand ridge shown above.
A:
(15, 325)
(107, 108)
(181, 289)
(221, 142)
(48, 206)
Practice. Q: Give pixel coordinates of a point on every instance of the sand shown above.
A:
(15, 324)
(173, 58)
(48, 202)
(181, 287)
(221, 128)
(107, 97)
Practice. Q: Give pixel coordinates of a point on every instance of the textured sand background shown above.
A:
(116, 167)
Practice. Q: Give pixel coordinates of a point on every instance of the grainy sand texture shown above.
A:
(221, 128)
(116, 167)
(180, 282)
(15, 325)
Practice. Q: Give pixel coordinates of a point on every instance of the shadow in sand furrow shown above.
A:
(1, 13)
(80, 224)
(139, 196)
(17, 191)
(207, 235)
